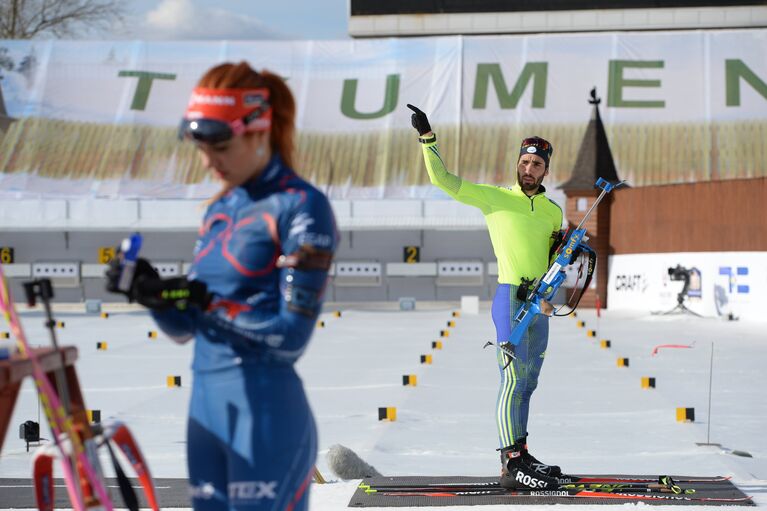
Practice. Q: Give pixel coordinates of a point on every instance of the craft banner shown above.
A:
(720, 284)
(98, 119)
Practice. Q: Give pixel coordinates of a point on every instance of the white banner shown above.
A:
(697, 97)
(721, 283)
(338, 85)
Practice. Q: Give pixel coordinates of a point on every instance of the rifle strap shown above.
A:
(591, 265)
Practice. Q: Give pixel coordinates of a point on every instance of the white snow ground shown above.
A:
(588, 414)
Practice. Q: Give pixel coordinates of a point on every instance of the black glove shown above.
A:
(175, 292)
(419, 120)
(153, 292)
(142, 270)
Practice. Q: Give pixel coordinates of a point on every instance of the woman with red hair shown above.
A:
(255, 288)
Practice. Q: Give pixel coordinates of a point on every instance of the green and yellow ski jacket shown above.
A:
(521, 227)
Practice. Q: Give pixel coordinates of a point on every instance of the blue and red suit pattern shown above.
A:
(264, 250)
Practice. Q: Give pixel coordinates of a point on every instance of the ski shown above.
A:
(566, 479)
(629, 495)
(565, 494)
(598, 479)
(122, 437)
(600, 487)
(42, 474)
(110, 431)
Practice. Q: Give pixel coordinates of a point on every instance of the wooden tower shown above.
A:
(594, 160)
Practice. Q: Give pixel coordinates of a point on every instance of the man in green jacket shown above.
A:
(523, 224)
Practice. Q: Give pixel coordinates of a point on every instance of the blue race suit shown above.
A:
(519, 378)
(264, 252)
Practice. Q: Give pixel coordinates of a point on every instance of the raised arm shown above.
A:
(461, 190)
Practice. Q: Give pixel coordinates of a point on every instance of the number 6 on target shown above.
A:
(6, 255)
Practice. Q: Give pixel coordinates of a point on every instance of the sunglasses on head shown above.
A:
(536, 142)
(214, 131)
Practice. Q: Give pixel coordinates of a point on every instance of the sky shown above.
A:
(236, 19)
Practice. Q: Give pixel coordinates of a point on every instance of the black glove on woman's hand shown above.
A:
(153, 292)
(419, 120)
(142, 270)
(172, 293)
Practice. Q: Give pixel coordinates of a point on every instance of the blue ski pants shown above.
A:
(520, 378)
(251, 440)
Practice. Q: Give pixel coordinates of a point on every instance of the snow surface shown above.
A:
(588, 415)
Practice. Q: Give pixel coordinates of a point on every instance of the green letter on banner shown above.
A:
(535, 71)
(734, 70)
(144, 85)
(349, 96)
(617, 82)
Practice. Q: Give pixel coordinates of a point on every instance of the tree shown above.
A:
(6, 62)
(27, 66)
(25, 19)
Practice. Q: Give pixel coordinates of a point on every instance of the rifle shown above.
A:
(545, 287)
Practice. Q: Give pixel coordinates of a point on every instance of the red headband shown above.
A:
(230, 106)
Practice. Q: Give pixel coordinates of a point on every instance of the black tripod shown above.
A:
(680, 273)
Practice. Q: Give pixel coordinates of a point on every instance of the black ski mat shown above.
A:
(18, 493)
(419, 497)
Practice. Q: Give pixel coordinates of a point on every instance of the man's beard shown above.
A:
(529, 187)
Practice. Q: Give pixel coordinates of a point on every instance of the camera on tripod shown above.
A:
(682, 274)
(29, 431)
(690, 277)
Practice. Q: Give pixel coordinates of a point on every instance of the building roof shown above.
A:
(594, 159)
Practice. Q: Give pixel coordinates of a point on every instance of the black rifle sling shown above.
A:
(592, 263)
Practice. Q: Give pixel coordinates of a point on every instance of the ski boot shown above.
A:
(539, 467)
(516, 474)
